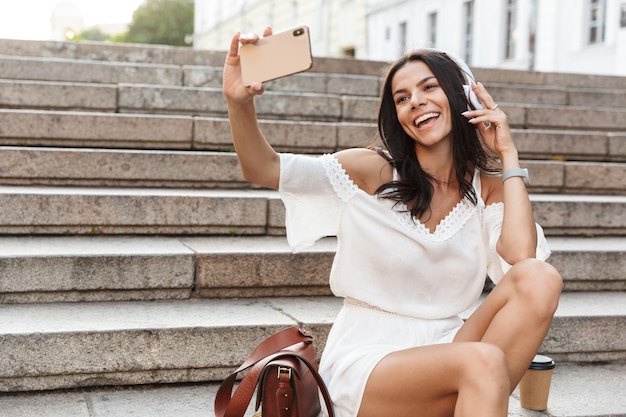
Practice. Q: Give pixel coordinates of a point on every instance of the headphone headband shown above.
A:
(469, 79)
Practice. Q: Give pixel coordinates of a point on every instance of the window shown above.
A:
(432, 26)
(596, 21)
(510, 29)
(468, 41)
(348, 52)
(402, 37)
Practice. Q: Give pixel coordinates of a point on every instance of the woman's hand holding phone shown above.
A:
(232, 83)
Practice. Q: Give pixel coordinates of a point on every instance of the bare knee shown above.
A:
(539, 283)
(486, 369)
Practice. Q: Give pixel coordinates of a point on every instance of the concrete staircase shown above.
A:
(132, 252)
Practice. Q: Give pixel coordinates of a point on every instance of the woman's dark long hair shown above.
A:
(414, 186)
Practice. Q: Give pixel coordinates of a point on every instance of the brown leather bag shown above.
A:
(284, 370)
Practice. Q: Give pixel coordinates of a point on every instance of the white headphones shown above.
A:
(469, 79)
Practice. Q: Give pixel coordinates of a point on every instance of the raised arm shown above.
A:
(518, 237)
(259, 162)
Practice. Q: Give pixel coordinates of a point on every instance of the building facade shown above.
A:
(574, 36)
(337, 27)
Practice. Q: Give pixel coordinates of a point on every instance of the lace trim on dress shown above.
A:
(339, 179)
(447, 227)
(495, 206)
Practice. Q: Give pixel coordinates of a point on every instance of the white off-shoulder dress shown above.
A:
(402, 285)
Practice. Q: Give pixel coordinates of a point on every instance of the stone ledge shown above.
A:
(169, 55)
(88, 71)
(121, 168)
(577, 390)
(93, 211)
(93, 339)
(85, 211)
(85, 167)
(125, 268)
(580, 214)
(59, 128)
(58, 96)
(152, 131)
(307, 97)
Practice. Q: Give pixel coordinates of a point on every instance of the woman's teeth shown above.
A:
(425, 117)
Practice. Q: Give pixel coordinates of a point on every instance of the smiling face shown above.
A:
(422, 107)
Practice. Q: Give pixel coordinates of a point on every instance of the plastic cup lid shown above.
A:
(541, 362)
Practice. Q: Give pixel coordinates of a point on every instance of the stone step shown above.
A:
(42, 88)
(591, 263)
(89, 211)
(207, 169)
(577, 390)
(554, 79)
(511, 91)
(126, 268)
(148, 131)
(58, 95)
(104, 268)
(313, 106)
(329, 107)
(274, 105)
(582, 215)
(47, 72)
(60, 346)
(88, 71)
(111, 52)
(143, 131)
(98, 268)
(161, 54)
(120, 168)
(107, 130)
(565, 144)
(169, 55)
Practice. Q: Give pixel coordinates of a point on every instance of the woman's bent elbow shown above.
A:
(517, 253)
(265, 178)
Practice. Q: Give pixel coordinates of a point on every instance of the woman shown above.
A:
(419, 224)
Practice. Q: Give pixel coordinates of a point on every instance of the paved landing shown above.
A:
(576, 391)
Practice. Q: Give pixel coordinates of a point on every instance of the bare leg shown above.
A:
(517, 314)
(474, 375)
(460, 379)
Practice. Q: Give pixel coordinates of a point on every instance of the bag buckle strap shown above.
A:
(284, 370)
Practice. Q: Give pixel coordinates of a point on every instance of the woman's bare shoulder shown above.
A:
(365, 167)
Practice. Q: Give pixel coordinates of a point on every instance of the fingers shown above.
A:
(486, 120)
(248, 38)
(234, 45)
(490, 113)
(256, 88)
(253, 37)
(481, 92)
(245, 39)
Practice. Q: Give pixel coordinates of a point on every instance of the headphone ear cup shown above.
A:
(471, 97)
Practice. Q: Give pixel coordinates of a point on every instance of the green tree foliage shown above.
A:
(92, 34)
(164, 22)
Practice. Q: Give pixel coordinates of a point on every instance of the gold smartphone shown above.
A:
(284, 53)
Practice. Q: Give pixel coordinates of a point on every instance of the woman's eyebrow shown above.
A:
(401, 90)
